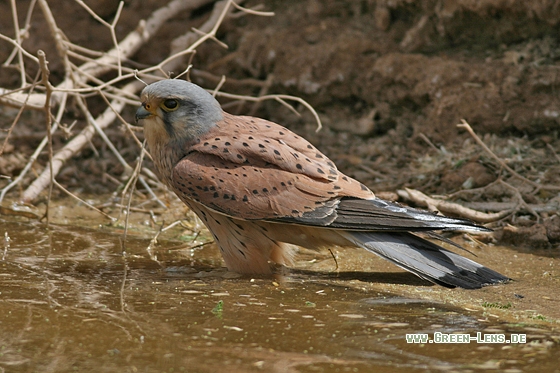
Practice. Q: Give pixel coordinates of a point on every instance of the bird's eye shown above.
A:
(170, 104)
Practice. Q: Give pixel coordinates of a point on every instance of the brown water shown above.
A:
(70, 301)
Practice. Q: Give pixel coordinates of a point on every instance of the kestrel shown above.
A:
(260, 189)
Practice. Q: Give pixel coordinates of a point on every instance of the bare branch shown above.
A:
(18, 41)
(72, 147)
(451, 208)
(16, 119)
(537, 186)
(84, 202)
(281, 99)
(110, 26)
(127, 47)
(84, 72)
(19, 48)
(45, 73)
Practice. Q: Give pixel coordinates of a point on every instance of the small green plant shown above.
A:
(539, 317)
(218, 309)
(497, 305)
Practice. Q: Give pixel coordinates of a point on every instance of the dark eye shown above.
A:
(170, 104)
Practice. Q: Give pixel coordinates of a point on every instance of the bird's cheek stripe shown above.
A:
(168, 126)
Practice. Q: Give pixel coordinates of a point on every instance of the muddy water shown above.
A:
(70, 301)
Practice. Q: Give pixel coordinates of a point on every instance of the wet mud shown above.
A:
(82, 299)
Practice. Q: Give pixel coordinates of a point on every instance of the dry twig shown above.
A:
(45, 73)
(451, 208)
(537, 186)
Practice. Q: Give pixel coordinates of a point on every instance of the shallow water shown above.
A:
(71, 301)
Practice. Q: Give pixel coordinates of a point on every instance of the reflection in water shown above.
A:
(70, 301)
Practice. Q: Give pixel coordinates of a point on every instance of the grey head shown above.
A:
(184, 110)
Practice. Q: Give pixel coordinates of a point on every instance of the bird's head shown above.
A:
(177, 112)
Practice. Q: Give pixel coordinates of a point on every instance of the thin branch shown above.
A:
(19, 47)
(263, 92)
(131, 184)
(18, 116)
(552, 206)
(33, 156)
(18, 41)
(91, 120)
(110, 26)
(537, 186)
(84, 202)
(553, 152)
(429, 142)
(219, 86)
(45, 73)
(252, 11)
(23, 32)
(520, 199)
(58, 37)
(122, 120)
(72, 147)
(281, 99)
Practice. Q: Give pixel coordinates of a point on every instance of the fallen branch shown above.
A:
(552, 206)
(452, 208)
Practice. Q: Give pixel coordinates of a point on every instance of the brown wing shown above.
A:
(254, 169)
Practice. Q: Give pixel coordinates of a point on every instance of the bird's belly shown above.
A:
(313, 238)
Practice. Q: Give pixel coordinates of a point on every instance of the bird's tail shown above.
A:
(426, 259)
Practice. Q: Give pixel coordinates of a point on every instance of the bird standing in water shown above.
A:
(260, 188)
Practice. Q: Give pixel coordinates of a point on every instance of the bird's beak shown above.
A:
(142, 113)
